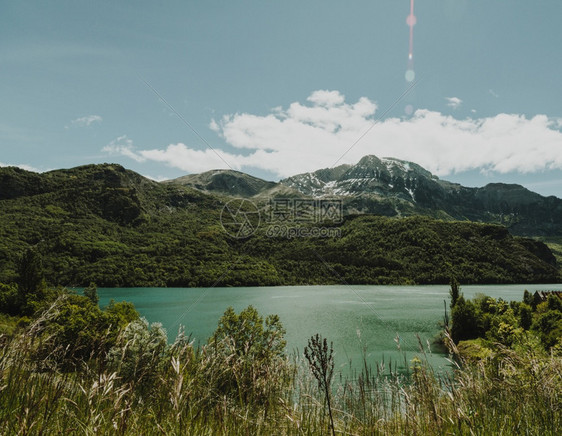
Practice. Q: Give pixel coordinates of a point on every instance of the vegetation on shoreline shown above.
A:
(111, 226)
(69, 367)
(481, 325)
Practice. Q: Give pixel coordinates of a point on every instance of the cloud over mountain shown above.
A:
(316, 134)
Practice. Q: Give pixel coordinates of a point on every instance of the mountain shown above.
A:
(394, 187)
(112, 226)
(384, 177)
(234, 184)
(228, 182)
(397, 188)
(107, 191)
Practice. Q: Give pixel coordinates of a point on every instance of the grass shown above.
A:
(215, 390)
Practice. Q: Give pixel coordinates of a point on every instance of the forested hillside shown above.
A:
(111, 226)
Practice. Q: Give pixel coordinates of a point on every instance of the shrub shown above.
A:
(549, 327)
(77, 331)
(139, 354)
(9, 299)
(245, 357)
(465, 321)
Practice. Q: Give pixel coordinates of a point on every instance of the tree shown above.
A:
(465, 321)
(30, 272)
(121, 313)
(525, 316)
(31, 282)
(92, 293)
(79, 330)
(554, 302)
(249, 334)
(9, 299)
(455, 291)
(536, 300)
(527, 298)
(549, 327)
(250, 353)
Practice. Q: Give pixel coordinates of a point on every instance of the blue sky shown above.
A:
(281, 87)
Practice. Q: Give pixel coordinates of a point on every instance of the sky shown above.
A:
(276, 88)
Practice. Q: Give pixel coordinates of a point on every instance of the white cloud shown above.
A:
(23, 167)
(175, 155)
(493, 93)
(157, 178)
(86, 121)
(326, 98)
(122, 146)
(453, 102)
(190, 160)
(308, 137)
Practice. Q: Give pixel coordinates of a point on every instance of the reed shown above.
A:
(141, 387)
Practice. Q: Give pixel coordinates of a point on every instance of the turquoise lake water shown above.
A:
(355, 318)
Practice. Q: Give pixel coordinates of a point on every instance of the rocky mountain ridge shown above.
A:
(393, 187)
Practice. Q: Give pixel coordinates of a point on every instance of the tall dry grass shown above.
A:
(179, 390)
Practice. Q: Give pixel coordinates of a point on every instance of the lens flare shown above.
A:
(411, 21)
(410, 75)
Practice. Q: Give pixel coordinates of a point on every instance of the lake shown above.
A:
(355, 318)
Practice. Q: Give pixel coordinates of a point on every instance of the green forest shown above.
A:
(111, 226)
